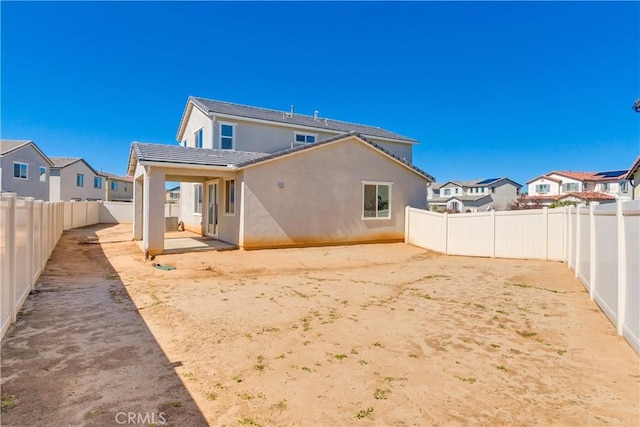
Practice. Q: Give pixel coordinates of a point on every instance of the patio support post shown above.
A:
(153, 229)
(138, 201)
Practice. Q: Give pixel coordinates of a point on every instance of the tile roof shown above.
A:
(475, 182)
(587, 196)
(222, 107)
(162, 153)
(592, 176)
(7, 145)
(61, 162)
(460, 198)
(117, 177)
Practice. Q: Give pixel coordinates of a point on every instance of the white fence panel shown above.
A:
(521, 234)
(171, 209)
(605, 278)
(583, 246)
(22, 251)
(68, 215)
(428, 229)
(556, 235)
(116, 213)
(470, 234)
(93, 212)
(36, 256)
(78, 214)
(630, 294)
(6, 210)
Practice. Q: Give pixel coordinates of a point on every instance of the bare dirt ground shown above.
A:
(384, 334)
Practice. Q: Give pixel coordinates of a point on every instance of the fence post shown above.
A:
(30, 251)
(565, 234)
(11, 251)
(446, 233)
(493, 233)
(578, 242)
(407, 214)
(545, 228)
(592, 250)
(622, 268)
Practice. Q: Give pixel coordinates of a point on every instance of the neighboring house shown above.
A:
(74, 179)
(24, 169)
(172, 195)
(118, 188)
(555, 186)
(633, 176)
(473, 196)
(256, 184)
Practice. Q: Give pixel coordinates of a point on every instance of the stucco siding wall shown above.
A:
(198, 120)
(321, 198)
(192, 221)
(124, 191)
(69, 189)
(554, 187)
(504, 195)
(264, 137)
(32, 186)
(636, 189)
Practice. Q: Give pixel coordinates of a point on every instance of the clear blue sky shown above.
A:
(510, 89)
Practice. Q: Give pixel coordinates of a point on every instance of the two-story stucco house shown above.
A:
(24, 169)
(118, 188)
(578, 187)
(257, 178)
(473, 196)
(73, 179)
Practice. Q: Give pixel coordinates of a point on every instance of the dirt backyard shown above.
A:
(385, 334)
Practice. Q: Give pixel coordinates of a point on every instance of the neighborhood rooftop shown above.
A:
(7, 145)
(222, 107)
(60, 162)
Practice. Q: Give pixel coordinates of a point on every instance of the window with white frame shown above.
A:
(230, 197)
(197, 199)
(447, 192)
(543, 188)
(97, 182)
(43, 174)
(227, 134)
(570, 186)
(114, 185)
(198, 138)
(624, 186)
(125, 186)
(20, 170)
(304, 138)
(605, 186)
(376, 200)
(80, 180)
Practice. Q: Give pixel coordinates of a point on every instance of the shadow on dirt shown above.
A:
(80, 352)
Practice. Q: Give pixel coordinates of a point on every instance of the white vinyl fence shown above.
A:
(29, 231)
(600, 243)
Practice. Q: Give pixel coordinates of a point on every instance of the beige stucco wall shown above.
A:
(636, 181)
(264, 137)
(123, 193)
(32, 186)
(321, 198)
(64, 187)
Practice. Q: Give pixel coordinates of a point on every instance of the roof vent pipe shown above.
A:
(315, 115)
(292, 110)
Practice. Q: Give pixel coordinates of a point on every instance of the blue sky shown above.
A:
(489, 89)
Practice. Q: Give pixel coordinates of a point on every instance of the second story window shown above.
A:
(570, 186)
(80, 180)
(227, 133)
(624, 186)
(198, 137)
(20, 170)
(125, 186)
(114, 185)
(447, 192)
(605, 186)
(542, 188)
(97, 182)
(43, 174)
(305, 138)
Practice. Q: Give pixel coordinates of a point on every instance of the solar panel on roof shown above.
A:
(487, 181)
(610, 174)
